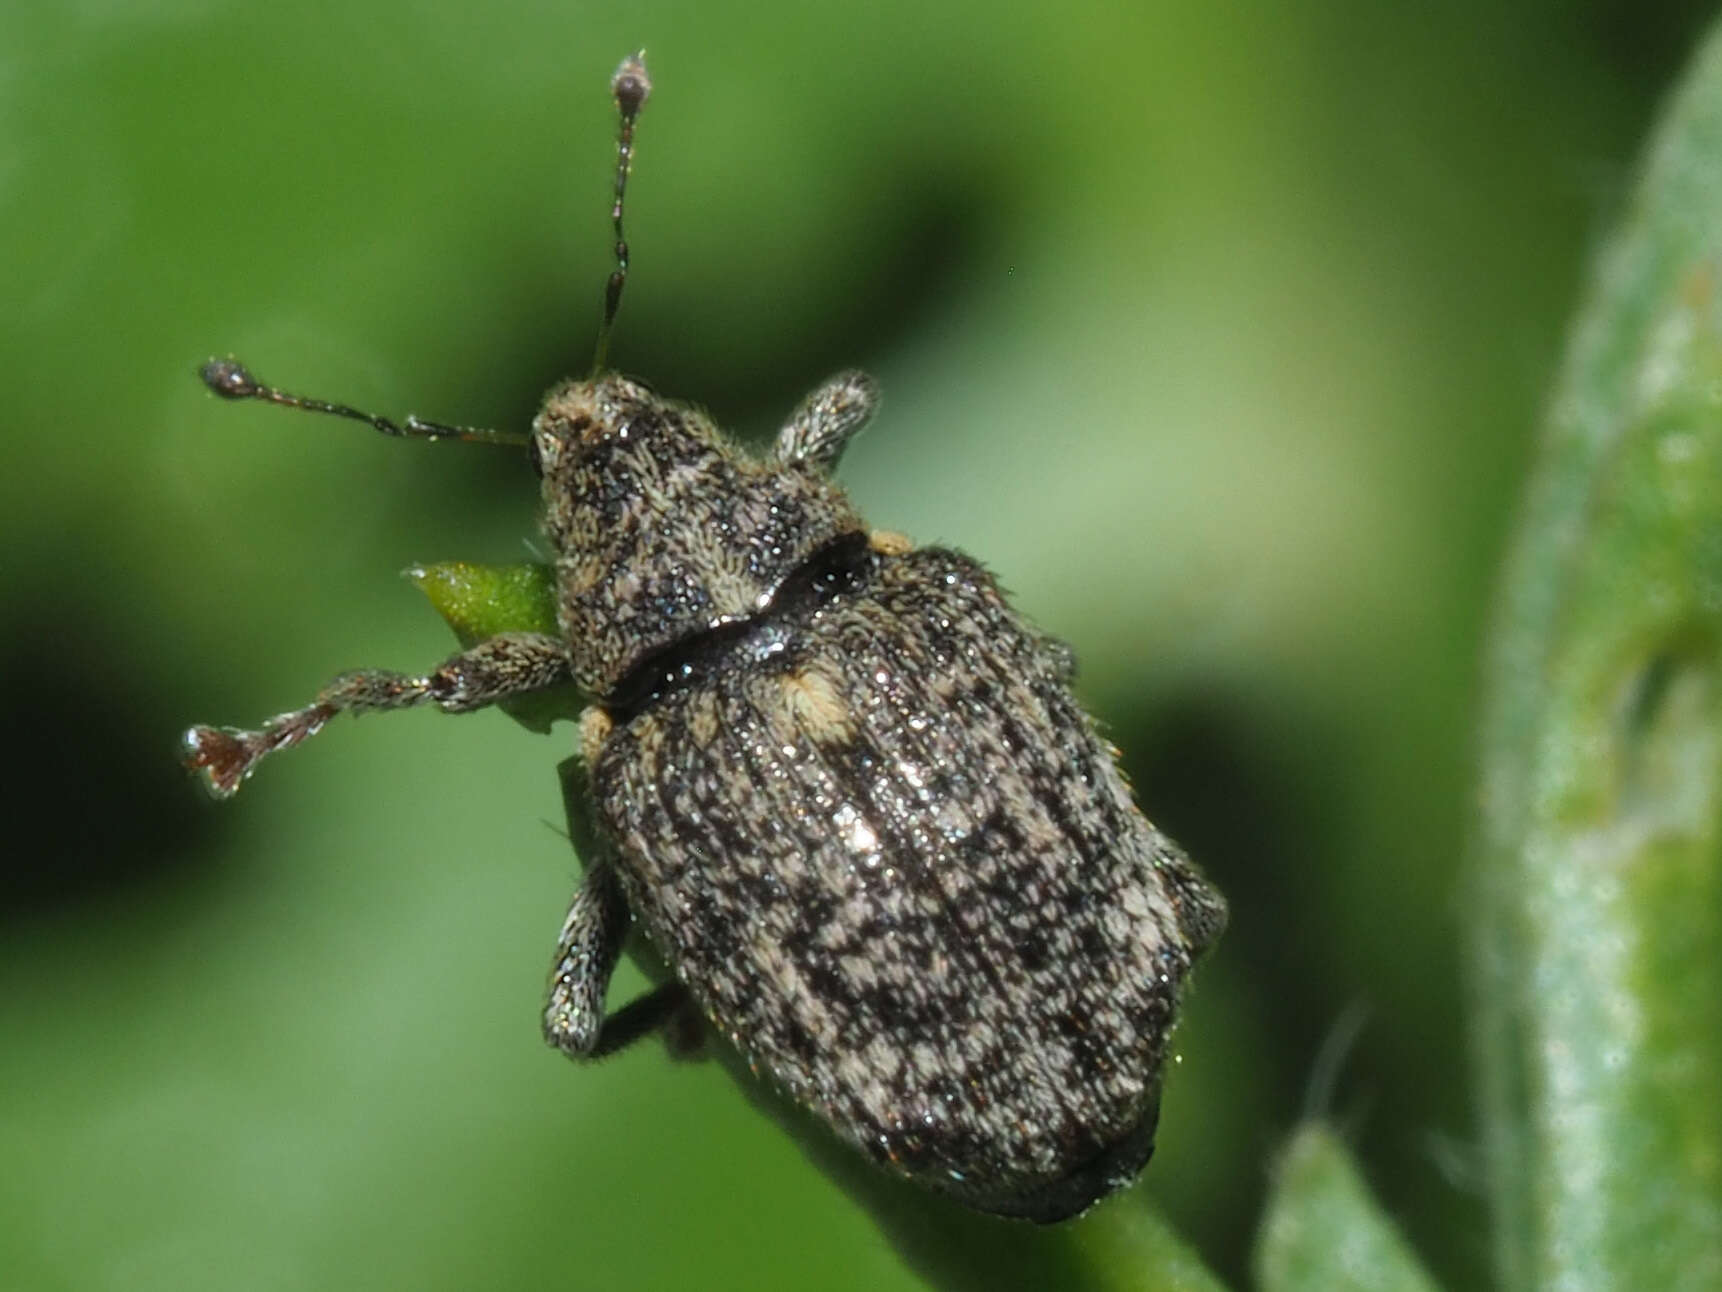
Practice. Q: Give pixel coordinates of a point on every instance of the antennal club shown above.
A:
(631, 87)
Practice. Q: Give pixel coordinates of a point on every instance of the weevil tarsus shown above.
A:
(497, 668)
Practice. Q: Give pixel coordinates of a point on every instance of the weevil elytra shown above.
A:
(837, 780)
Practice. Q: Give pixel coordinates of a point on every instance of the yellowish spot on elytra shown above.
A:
(703, 720)
(813, 701)
(595, 727)
(888, 542)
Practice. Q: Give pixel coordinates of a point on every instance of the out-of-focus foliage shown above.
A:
(1599, 992)
(1323, 1231)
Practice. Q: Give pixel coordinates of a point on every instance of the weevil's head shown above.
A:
(579, 416)
(664, 528)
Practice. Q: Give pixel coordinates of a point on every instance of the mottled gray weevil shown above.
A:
(841, 784)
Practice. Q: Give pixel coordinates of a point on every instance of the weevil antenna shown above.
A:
(630, 88)
(233, 380)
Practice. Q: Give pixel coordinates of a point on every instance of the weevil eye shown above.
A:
(534, 456)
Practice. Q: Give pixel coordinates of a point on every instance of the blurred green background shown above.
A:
(1218, 331)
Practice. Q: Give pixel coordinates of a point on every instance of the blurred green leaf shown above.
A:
(1599, 925)
(1325, 1231)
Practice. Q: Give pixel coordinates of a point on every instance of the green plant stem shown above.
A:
(1598, 921)
(1122, 1245)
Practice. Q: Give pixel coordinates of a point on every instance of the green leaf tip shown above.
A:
(1323, 1229)
(480, 601)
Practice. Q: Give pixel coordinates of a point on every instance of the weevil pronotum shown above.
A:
(839, 782)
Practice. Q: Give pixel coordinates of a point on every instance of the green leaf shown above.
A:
(1324, 1231)
(1598, 914)
(480, 601)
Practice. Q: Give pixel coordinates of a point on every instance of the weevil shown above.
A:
(841, 785)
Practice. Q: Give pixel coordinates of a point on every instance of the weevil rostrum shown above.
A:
(839, 783)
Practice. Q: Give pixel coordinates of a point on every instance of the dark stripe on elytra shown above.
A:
(847, 768)
(841, 567)
(720, 939)
(963, 935)
(980, 622)
(1038, 767)
(817, 903)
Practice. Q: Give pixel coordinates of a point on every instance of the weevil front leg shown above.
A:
(594, 932)
(821, 428)
(498, 668)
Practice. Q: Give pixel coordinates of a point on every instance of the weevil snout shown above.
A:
(578, 415)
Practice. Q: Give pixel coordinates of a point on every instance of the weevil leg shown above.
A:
(649, 1012)
(591, 942)
(685, 1031)
(586, 954)
(821, 428)
(508, 664)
